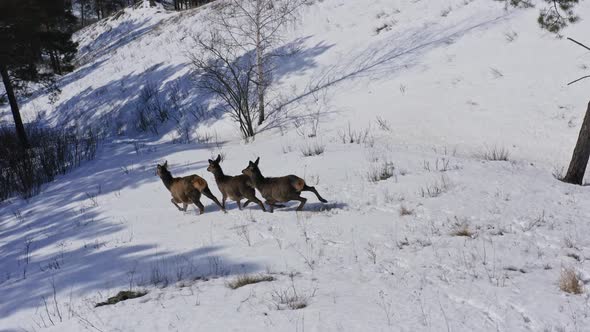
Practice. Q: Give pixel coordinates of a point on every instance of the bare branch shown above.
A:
(579, 79)
(577, 42)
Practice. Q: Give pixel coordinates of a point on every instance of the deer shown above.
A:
(279, 189)
(234, 187)
(186, 190)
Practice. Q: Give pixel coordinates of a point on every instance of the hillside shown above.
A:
(449, 241)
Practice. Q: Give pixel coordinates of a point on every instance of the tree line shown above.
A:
(35, 44)
(188, 4)
(90, 11)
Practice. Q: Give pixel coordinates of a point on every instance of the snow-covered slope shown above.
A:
(447, 81)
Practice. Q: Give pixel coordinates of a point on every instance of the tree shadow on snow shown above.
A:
(382, 60)
(36, 237)
(116, 103)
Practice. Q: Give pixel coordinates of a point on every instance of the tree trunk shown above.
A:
(58, 63)
(53, 60)
(577, 168)
(18, 122)
(83, 12)
(259, 69)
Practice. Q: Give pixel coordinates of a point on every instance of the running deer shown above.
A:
(186, 189)
(234, 187)
(281, 189)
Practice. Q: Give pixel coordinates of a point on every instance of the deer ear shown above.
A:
(218, 158)
(165, 164)
(257, 160)
(210, 161)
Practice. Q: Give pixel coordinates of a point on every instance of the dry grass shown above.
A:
(290, 299)
(311, 149)
(244, 280)
(495, 153)
(121, 296)
(381, 172)
(462, 230)
(569, 282)
(436, 188)
(404, 211)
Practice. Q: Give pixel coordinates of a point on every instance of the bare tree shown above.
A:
(258, 25)
(228, 74)
(556, 15)
(581, 154)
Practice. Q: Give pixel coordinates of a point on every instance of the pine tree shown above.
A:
(555, 16)
(33, 33)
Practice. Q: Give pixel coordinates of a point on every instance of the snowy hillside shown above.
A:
(449, 241)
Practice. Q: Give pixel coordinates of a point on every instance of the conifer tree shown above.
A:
(35, 44)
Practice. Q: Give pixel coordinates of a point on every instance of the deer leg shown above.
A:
(173, 202)
(223, 199)
(184, 206)
(312, 189)
(239, 202)
(270, 206)
(274, 203)
(200, 206)
(302, 200)
(210, 195)
(255, 200)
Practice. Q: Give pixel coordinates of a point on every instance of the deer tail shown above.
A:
(199, 184)
(298, 184)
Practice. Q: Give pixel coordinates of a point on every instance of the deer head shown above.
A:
(252, 169)
(162, 169)
(214, 164)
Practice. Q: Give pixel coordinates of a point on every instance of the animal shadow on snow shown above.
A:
(313, 207)
(58, 235)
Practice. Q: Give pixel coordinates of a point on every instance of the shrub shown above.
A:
(569, 282)
(462, 230)
(53, 151)
(351, 136)
(404, 211)
(289, 299)
(382, 172)
(436, 188)
(495, 154)
(314, 148)
(151, 109)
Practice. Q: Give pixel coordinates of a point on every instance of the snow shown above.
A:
(448, 85)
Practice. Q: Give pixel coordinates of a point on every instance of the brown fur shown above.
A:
(299, 184)
(186, 189)
(234, 187)
(279, 189)
(199, 183)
